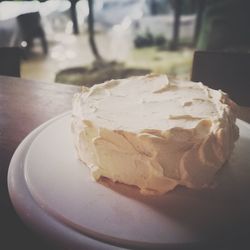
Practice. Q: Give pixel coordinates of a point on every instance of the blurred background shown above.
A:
(89, 41)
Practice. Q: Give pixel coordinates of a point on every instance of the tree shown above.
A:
(91, 32)
(177, 13)
(74, 16)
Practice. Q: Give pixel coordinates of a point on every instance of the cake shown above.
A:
(152, 133)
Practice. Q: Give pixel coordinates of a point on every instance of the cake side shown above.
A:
(187, 147)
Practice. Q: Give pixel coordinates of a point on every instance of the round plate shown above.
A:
(53, 192)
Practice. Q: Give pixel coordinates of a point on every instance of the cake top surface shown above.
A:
(148, 102)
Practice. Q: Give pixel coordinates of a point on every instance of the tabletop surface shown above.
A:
(24, 105)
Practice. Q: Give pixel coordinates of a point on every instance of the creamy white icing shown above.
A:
(152, 133)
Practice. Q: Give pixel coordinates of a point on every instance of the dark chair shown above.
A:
(31, 28)
(228, 71)
(10, 61)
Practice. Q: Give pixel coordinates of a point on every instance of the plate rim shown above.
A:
(17, 201)
(28, 209)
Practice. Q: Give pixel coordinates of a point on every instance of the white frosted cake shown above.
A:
(152, 133)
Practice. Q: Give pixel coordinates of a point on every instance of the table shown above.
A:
(25, 104)
(10, 33)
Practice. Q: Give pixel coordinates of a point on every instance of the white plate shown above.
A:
(53, 193)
